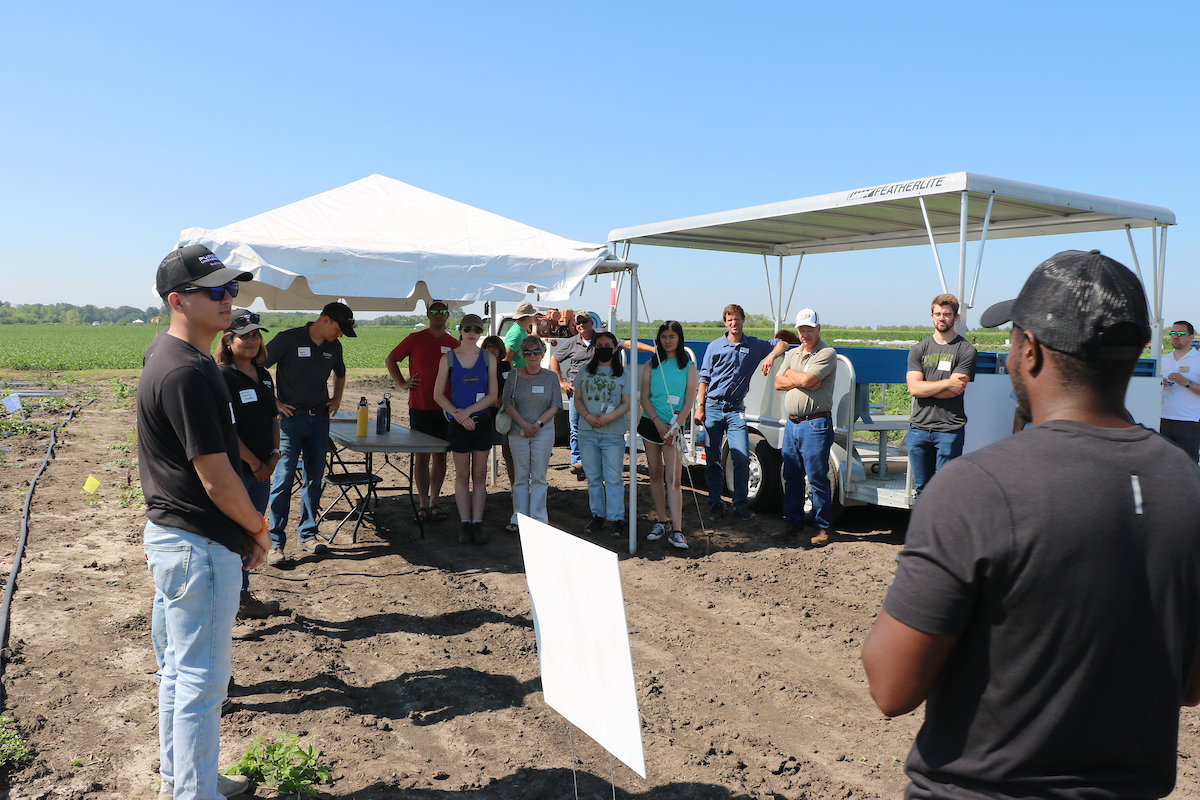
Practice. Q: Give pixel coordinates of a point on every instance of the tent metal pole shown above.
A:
(929, 229)
(767, 275)
(987, 218)
(635, 381)
(792, 293)
(779, 316)
(961, 325)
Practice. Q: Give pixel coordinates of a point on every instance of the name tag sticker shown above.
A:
(304, 352)
(672, 399)
(944, 365)
(538, 389)
(1184, 369)
(479, 396)
(605, 408)
(248, 395)
(445, 349)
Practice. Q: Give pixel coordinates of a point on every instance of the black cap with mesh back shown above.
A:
(1073, 300)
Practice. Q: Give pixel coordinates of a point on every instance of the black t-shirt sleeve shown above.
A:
(193, 407)
(959, 537)
(339, 363)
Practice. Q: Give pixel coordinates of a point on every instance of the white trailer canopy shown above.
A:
(954, 207)
(382, 245)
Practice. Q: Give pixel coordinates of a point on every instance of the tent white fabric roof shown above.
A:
(382, 245)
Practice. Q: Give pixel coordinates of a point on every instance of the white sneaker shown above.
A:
(657, 532)
(676, 539)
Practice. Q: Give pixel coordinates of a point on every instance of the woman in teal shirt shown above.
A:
(667, 394)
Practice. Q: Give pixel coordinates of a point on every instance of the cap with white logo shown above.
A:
(807, 318)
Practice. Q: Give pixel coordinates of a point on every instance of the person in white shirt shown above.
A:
(1179, 419)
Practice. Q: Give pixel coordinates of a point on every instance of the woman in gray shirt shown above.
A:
(531, 398)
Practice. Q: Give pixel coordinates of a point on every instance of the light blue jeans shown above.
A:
(197, 582)
(573, 420)
(603, 457)
(929, 451)
(303, 440)
(729, 420)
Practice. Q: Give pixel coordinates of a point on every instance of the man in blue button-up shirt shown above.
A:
(721, 409)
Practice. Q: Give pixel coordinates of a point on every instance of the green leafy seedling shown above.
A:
(286, 764)
(15, 752)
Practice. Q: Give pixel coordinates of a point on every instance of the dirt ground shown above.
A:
(411, 663)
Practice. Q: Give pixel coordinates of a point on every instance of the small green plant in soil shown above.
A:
(15, 752)
(131, 497)
(290, 767)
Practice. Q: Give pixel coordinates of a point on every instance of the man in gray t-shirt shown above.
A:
(1046, 605)
(939, 369)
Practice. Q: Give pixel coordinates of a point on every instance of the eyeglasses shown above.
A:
(438, 312)
(244, 320)
(1179, 333)
(528, 353)
(583, 321)
(472, 329)
(217, 293)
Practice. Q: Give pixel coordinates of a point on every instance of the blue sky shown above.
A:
(126, 123)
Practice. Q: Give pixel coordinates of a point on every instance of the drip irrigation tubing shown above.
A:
(11, 586)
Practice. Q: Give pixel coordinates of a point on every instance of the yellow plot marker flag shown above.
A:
(91, 484)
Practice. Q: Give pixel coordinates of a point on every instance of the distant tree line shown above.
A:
(65, 313)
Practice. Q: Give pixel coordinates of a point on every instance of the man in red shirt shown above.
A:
(424, 350)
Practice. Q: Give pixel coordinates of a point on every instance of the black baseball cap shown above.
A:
(1072, 302)
(195, 265)
(342, 315)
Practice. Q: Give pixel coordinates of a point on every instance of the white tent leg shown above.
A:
(961, 325)
(987, 218)
(634, 408)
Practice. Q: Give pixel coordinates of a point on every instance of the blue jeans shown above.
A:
(806, 453)
(603, 460)
(302, 440)
(196, 580)
(573, 419)
(260, 492)
(728, 419)
(929, 451)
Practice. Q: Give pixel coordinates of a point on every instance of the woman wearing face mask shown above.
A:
(495, 346)
(465, 390)
(240, 356)
(601, 400)
(532, 398)
(667, 392)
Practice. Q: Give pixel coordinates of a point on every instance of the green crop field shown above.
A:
(58, 348)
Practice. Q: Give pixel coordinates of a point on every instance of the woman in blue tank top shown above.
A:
(667, 394)
(465, 390)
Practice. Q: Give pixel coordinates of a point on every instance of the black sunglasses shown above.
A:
(531, 352)
(217, 293)
(472, 329)
(1179, 333)
(438, 312)
(244, 320)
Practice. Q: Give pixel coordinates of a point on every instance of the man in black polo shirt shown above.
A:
(201, 524)
(303, 358)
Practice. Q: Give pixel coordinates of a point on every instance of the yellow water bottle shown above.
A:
(362, 417)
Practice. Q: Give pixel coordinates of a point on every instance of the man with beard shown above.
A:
(1179, 419)
(1046, 605)
(939, 369)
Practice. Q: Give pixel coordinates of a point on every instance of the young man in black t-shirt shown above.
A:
(201, 524)
(303, 358)
(939, 369)
(1047, 600)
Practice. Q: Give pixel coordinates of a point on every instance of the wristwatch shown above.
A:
(1187, 384)
(541, 424)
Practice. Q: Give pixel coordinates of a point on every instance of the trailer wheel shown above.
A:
(766, 475)
(835, 506)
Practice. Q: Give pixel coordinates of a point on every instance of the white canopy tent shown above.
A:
(382, 245)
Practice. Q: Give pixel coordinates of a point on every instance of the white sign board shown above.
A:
(582, 638)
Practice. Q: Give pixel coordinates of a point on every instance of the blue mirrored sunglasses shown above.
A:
(217, 293)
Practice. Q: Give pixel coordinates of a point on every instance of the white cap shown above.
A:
(807, 317)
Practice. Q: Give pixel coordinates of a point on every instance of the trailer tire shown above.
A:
(766, 475)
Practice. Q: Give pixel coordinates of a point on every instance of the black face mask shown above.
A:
(605, 353)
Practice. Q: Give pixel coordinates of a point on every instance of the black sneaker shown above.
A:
(716, 513)
(619, 530)
(467, 535)
(746, 513)
(595, 526)
(479, 535)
